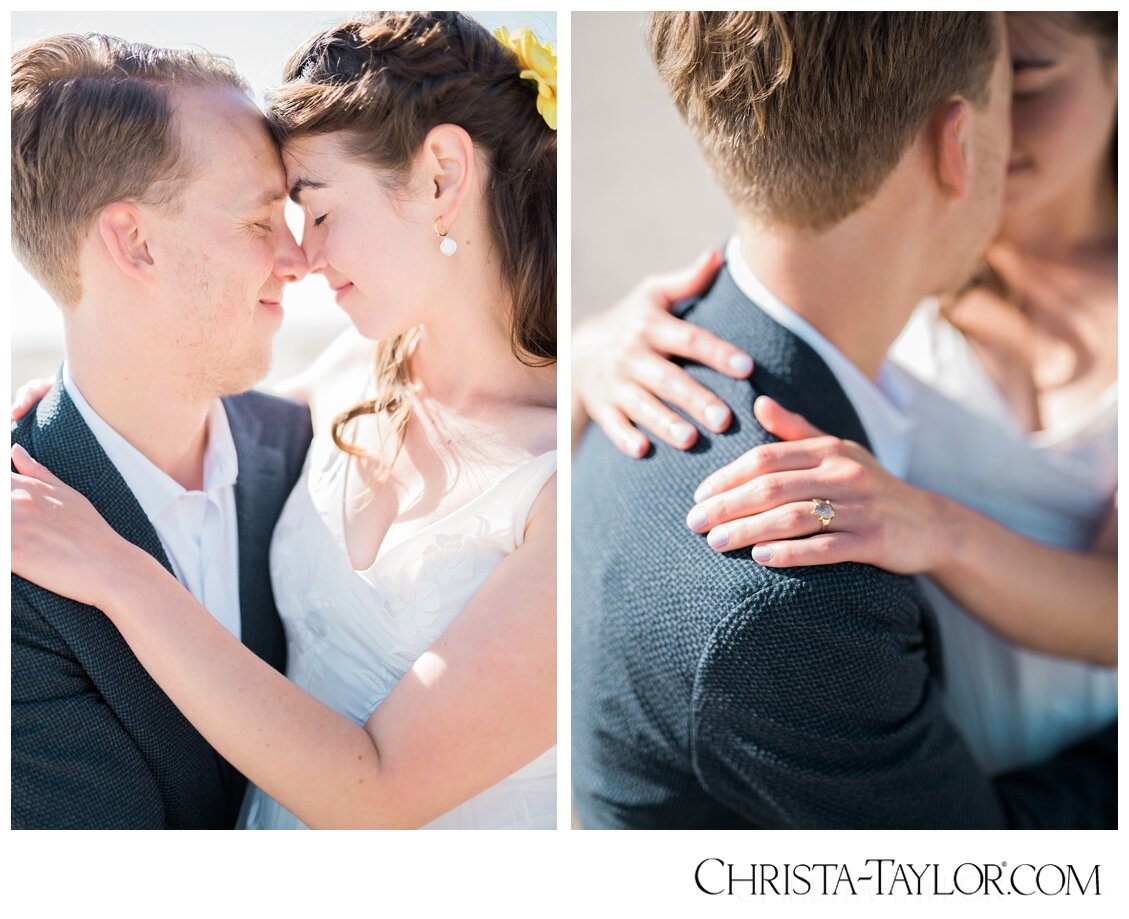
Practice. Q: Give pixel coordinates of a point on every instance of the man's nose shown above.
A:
(289, 259)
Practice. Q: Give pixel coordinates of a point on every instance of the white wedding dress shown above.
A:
(1013, 706)
(351, 635)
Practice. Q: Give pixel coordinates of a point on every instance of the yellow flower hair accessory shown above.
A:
(538, 62)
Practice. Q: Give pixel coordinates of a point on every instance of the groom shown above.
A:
(147, 198)
(865, 156)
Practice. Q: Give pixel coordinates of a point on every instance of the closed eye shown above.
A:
(318, 221)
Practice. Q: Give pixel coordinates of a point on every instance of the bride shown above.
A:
(414, 563)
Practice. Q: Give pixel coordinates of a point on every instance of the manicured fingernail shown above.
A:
(716, 415)
(633, 444)
(762, 554)
(697, 520)
(741, 363)
(705, 490)
(681, 433)
(718, 538)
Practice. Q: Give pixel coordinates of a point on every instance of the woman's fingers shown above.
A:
(27, 466)
(619, 430)
(764, 460)
(823, 549)
(670, 335)
(782, 423)
(758, 497)
(668, 289)
(649, 413)
(28, 395)
(674, 385)
(790, 521)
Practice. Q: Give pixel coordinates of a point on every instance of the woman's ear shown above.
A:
(448, 164)
(950, 129)
(123, 229)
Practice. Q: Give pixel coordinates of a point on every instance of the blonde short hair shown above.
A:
(801, 116)
(92, 124)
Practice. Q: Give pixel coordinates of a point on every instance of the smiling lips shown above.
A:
(272, 303)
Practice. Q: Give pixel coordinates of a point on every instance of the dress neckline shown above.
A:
(1044, 438)
(384, 549)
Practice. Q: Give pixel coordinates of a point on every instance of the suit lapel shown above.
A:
(69, 448)
(260, 485)
(184, 765)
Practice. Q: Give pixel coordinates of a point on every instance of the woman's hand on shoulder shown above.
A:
(59, 541)
(766, 498)
(621, 366)
(28, 395)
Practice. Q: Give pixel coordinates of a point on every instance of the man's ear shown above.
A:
(447, 160)
(950, 130)
(123, 229)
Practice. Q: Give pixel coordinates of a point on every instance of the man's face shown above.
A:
(228, 250)
(989, 144)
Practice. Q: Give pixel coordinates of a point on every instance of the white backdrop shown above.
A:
(642, 198)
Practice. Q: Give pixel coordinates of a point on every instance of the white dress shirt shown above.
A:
(882, 405)
(198, 529)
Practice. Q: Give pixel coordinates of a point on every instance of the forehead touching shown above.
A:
(316, 162)
(228, 146)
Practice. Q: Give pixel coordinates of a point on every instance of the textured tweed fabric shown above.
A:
(95, 742)
(708, 691)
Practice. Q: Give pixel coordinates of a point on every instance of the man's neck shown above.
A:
(856, 283)
(167, 427)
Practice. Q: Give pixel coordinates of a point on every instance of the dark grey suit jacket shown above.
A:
(708, 691)
(95, 742)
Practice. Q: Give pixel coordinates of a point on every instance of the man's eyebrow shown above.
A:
(297, 187)
(1032, 65)
(270, 197)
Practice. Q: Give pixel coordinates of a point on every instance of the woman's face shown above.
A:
(1064, 107)
(377, 248)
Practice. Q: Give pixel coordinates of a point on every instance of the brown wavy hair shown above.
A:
(382, 82)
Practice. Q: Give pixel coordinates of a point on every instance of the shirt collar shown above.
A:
(154, 489)
(881, 406)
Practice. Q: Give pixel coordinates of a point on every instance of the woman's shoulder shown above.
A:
(539, 430)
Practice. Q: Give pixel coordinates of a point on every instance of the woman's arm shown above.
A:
(477, 706)
(621, 368)
(1048, 599)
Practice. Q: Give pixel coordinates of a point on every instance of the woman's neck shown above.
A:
(465, 359)
(1080, 221)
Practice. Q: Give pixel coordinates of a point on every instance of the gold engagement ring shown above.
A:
(823, 512)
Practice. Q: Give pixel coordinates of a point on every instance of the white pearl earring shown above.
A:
(446, 245)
